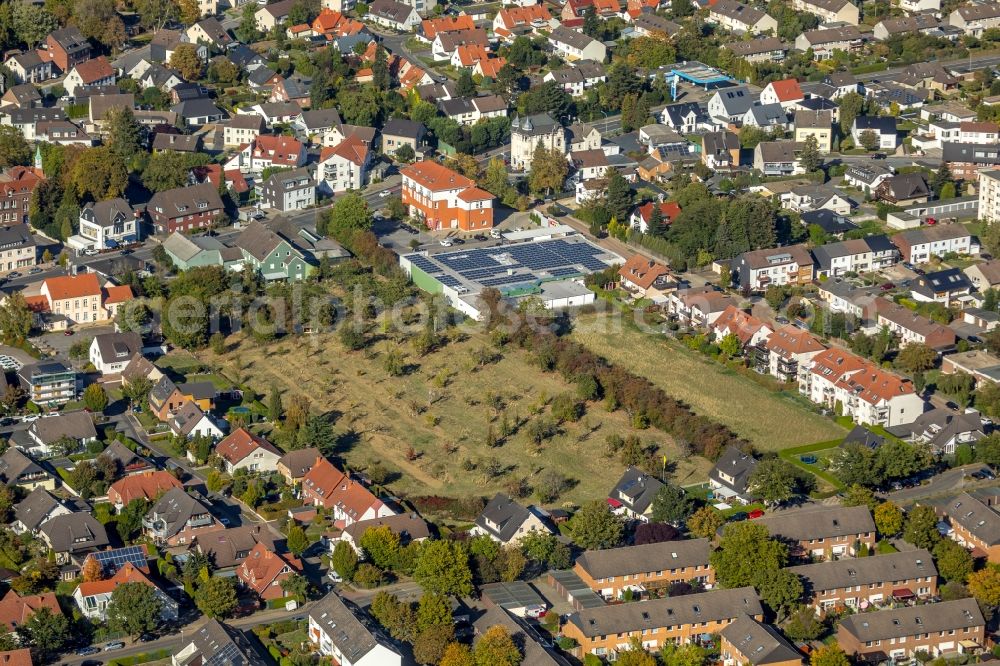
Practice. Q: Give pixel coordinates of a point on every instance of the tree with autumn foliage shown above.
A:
(92, 571)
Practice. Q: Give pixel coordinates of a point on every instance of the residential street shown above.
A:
(946, 483)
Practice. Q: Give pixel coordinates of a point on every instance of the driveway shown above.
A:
(946, 483)
(59, 342)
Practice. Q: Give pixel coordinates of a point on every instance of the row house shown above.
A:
(445, 199)
(974, 525)
(649, 566)
(512, 21)
(860, 255)
(579, 77)
(698, 306)
(830, 11)
(431, 27)
(975, 19)
(765, 49)
(326, 486)
(571, 45)
(917, 246)
(825, 532)
(750, 330)
(747, 641)
(858, 388)
(921, 23)
(606, 630)
(876, 580)
(739, 18)
(824, 42)
(28, 67)
(758, 269)
(784, 351)
(947, 627)
(266, 151)
(912, 327)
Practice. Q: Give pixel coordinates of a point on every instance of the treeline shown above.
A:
(646, 403)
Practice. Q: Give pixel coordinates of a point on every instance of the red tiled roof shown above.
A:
(15, 610)
(669, 209)
(352, 148)
(20, 657)
(322, 479)
(740, 323)
(118, 294)
(95, 69)
(241, 443)
(436, 177)
(432, 27)
(262, 567)
(491, 67)
(37, 303)
(19, 180)
(280, 149)
(143, 486)
(641, 271)
(513, 17)
(127, 574)
(607, 6)
(787, 90)
(470, 54)
(73, 286)
(475, 194)
(790, 340)
(968, 126)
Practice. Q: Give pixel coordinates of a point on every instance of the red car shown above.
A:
(931, 221)
(756, 513)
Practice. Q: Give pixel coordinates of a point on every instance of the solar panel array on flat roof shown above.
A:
(115, 559)
(564, 272)
(448, 280)
(507, 279)
(424, 264)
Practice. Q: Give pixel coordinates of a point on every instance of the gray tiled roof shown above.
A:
(977, 518)
(759, 643)
(907, 565)
(74, 532)
(930, 618)
(34, 508)
(353, 636)
(647, 557)
(636, 489)
(506, 514)
(118, 347)
(75, 425)
(14, 465)
(815, 523)
(736, 464)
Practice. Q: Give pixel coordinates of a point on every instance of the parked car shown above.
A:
(479, 237)
(116, 645)
(738, 516)
(756, 513)
(446, 242)
(35, 271)
(90, 649)
(384, 193)
(68, 331)
(14, 275)
(878, 156)
(931, 221)
(495, 233)
(535, 611)
(888, 286)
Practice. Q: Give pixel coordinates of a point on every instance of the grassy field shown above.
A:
(444, 408)
(771, 421)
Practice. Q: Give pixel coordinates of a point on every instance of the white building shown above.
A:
(528, 132)
(344, 166)
(337, 632)
(106, 224)
(111, 352)
(989, 195)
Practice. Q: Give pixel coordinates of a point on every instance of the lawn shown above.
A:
(430, 427)
(772, 421)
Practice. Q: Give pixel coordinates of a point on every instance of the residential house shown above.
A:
(15, 610)
(93, 597)
(198, 112)
(865, 392)
(336, 631)
(127, 460)
(242, 449)
(730, 476)
(866, 177)
(825, 532)
(38, 507)
(572, 45)
(825, 42)
(395, 15)
(213, 641)
(210, 31)
(326, 486)
(444, 199)
(806, 198)
(95, 72)
(18, 657)
(28, 67)
(877, 580)
(177, 518)
(785, 351)
(73, 535)
(767, 116)
(642, 275)
(513, 21)
(979, 363)
(79, 298)
(786, 92)
(776, 158)
(917, 246)
(272, 15)
(227, 548)
(653, 566)
(528, 132)
(883, 127)
(446, 43)
(242, 128)
(720, 150)
(912, 327)
(470, 110)
(63, 433)
(66, 48)
(21, 96)
(409, 527)
(143, 486)
(264, 570)
(854, 256)
(643, 214)
(190, 421)
(429, 28)
(507, 522)
(749, 330)
(288, 190)
(765, 49)
(975, 19)
(989, 193)
(943, 430)
(111, 352)
(739, 18)
(940, 286)
(344, 166)
(903, 190)
(836, 225)
(273, 255)
(686, 117)
(107, 223)
(294, 465)
(946, 627)
(632, 497)
(816, 124)
(16, 188)
(18, 249)
(185, 208)
(747, 641)
(604, 630)
(758, 269)
(698, 306)
(399, 132)
(729, 105)
(266, 151)
(829, 10)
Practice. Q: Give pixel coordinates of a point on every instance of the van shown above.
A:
(495, 233)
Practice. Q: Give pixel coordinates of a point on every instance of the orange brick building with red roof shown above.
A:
(263, 570)
(16, 186)
(445, 199)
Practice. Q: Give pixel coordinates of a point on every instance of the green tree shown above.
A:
(856, 495)
(869, 140)
(344, 560)
(465, 86)
(888, 519)
(350, 211)
(14, 149)
(443, 567)
(705, 522)
(124, 133)
(99, 174)
(169, 169)
(137, 390)
(433, 609)
(689, 654)
(274, 408)
(134, 609)
(95, 398)
(730, 345)
(803, 625)
(916, 357)
(745, 549)
(15, 318)
(985, 585)
(780, 589)
(829, 655)
(921, 527)
(954, 562)
(380, 69)
(129, 521)
(296, 586)
(619, 197)
(31, 23)
(216, 597)
(671, 505)
(809, 158)
(594, 527)
(496, 648)
(381, 546)
(431, 644)
(775, 480)
(46, 631)
(548, 170)
(186, 61)
(851, 106)
(297, 541)
(546, 549)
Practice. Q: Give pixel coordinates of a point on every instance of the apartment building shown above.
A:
(605, 630)
(917, 246)
(877, 580)
(759, 269)
(49, 383)
(989, 195)
(444, 199)
(288, 190)
(748, 329)
(17, 248)
(528, 132)
(825, 41)
(816, 124)
(342, 632)
(649, 566)
(785, 351)
(78, 298)
(185, 208)
(900, 633)
(973, 525)
(824, 532)
(107, 223)
(16, 188)
(830, 11)
(698, 306)
(974, 19)
(911, 327)
(242, 128)
(344, 166)
(843, 381)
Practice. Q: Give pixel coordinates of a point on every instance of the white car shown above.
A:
(334, 576)
(495, 233)
(91, 252)
(384, 193)
(446, 242)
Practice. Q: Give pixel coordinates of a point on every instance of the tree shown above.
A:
(689, 654)
(186, 61)
(349, 211)
(216, 597)
(274, 408)
(297, 541)
(619, 197)
(405, 153)
(296, 586)
(941, 178)
(851, 106)
(46, 631)
(888, 519)
(381, 546)
(457, 654)
(15, 319)
(954, 562)
(137, 390)
(671, 505)
(985, 585)
(92, 570)
(635, 655)
(916, 357)
(154, 14)
(430, 644)
(803, 625)
(98, 174)
(594, 527)
(857, 495)
(134, 609)
(31, 23)
(95, 398)
(496, 648)
(775, 480)
(548, 170)
(94, 17)
(869, 140)
(546, 549)
(14, 149)
(344, 560)
(730, 345)
(168, 170)
(779, 588)
(829, 655)
(810, 157)
(443, 567)
(433, 610)
(380, 69)
(465, 86)
(129, 521)
(705, 522)
(745, 549)
(921, 527)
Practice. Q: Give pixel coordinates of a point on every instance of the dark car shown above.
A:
(738, 516)
(878, 156)
(146, 637)
(457, 241)
(479, 237)
(91, 662)
(125, 252)
(90, 649)
(919, 271)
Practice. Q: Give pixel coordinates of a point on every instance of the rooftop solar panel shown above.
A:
(115, 559)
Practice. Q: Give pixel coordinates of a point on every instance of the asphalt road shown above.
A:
(946, 483)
